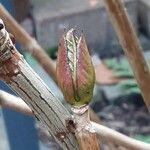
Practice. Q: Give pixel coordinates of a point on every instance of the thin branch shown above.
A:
(115, 137)
(128, 40)
(87, 140)
(15, 103)
(32, 46)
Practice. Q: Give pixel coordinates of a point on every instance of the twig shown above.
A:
(32, 46)
(15, 103)
(20, 77)
(87, 138)
(117, 138)
(128, 40)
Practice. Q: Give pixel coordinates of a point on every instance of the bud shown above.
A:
(75, 71)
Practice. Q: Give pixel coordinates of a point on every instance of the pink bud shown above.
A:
(75, 72)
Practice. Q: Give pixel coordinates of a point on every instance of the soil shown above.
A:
(126, 119)
(128, 113)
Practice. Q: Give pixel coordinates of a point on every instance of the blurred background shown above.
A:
(117, 99)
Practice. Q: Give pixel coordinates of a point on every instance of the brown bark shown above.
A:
(128, 39)
(87, 139)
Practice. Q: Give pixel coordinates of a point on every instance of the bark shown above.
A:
(87, 139)
(128, 40)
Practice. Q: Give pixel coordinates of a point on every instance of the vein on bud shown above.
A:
(71, 44)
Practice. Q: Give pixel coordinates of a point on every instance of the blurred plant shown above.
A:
(143, 138)
(129, 86)
(121, 69)
(52, 52)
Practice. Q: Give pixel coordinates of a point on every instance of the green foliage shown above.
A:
(52, 52)
(129, 86)
(143, 138)
(121, 69)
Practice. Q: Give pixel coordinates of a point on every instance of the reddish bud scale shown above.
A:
(75, 72)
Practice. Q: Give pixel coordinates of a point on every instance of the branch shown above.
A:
(21, 78)
(117, 138)
(15, 103)
(131, 46)
(87, 139)
(32, 46)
